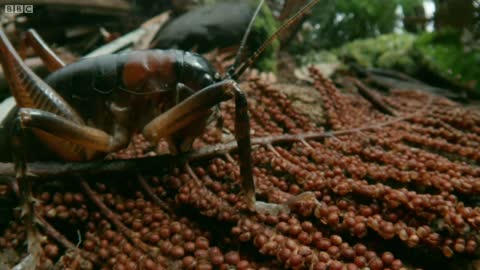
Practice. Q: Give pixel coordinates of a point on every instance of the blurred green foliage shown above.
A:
(409, 6)
(390, 51)
(445, 55)
(336, 22)
(360, 31)
(439, 55)
(265, 25)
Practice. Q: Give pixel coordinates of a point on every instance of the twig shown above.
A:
(151, 28)
(230, 158)
(54, 234)
(372, 97)
(394, 83)
(271, 148)
(119, 43)
(48, 169)
(394, 74)
(139, 38)
(149, 165)
(306, 144)
(133, 236)
(151, 193)
(192, 174)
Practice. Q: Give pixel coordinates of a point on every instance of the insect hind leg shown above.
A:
(68, 130)
(32, 39)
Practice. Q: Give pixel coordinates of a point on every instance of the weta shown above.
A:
(87, 109)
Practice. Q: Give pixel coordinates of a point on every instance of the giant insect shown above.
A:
(92, 107)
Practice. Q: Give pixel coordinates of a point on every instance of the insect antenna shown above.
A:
(247, 63)
(241, 49)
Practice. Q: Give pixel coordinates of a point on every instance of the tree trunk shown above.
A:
(457, 14)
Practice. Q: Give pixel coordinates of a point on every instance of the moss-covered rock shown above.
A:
(392, 51)
(444, 54)
(312, 58)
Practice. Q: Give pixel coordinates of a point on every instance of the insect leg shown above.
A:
(191, 108)
(32, 38)
(28, 89)
(242, 135)
(187, 111)
(181, 92)
(88, 137)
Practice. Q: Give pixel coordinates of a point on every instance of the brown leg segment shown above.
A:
(88, 137)
(32, 39)
(188, 111)
(242, 135)
(32, 92)
(28, 89)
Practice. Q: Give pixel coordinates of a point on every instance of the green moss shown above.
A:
(265, 25)
(444, 54)
(392, 51)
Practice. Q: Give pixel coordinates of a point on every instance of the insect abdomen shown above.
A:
(101, 74)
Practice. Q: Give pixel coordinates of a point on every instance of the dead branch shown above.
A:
(139, 38)
(372, 97)
(150, 165)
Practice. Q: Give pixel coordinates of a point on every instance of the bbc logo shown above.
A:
(18, 9)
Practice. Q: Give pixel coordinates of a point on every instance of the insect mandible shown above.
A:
(90, 108)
